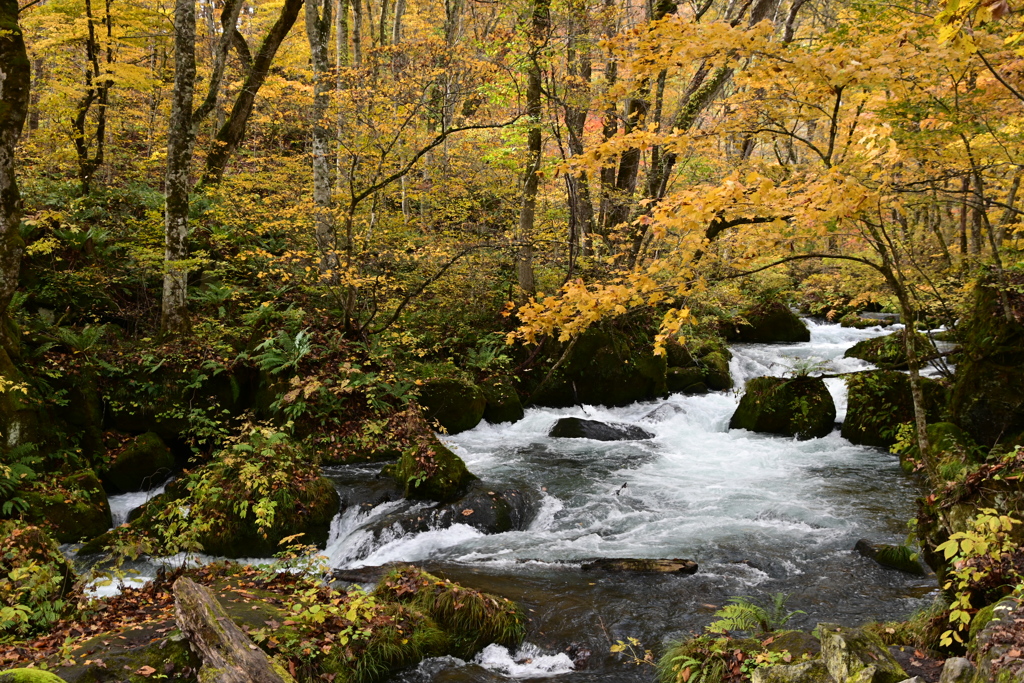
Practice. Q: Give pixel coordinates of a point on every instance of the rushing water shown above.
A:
(761, 514)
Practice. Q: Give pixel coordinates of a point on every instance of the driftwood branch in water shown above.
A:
(228, 655)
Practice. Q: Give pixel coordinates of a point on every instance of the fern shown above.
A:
(280, 353)
(743, 614)
(80, 342)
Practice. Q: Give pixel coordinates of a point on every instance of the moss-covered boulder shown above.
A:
(689, 380)
(470, 619)
(986, 400)
(765, 323)
(430, 471)
(887, 351)
(29, 676)
(717, 376)
(609, 367)
(503, 404)
(139, 464)
(242, 503)
(456, 404)
(77, 510)
(852, 654)
(813, 671)
(897, 557)
(857, 322)
(800, 407)
(879, 401)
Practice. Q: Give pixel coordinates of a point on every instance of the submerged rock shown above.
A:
(487, 509)
(768, 322)
(890, 556)
(676, 566)
(578, 428)
(800, 407)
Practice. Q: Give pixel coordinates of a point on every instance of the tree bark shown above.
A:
(229, 656)
(174, 310)
(539, 26)
(232, 132)
(15, 82)
(318, 30)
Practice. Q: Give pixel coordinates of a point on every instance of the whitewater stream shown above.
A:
(760, 514)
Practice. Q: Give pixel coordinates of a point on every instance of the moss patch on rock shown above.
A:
(29, 676)
(430, 471)
(879, 401)
(140, 464)
(800, 407)
(470, 619)
(503, 404)
(887, 351)
(77, 511)
(456, 404)
(765, 323)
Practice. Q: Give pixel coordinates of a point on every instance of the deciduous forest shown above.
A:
(467, 340)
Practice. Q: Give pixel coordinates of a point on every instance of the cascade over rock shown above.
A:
(800, 407)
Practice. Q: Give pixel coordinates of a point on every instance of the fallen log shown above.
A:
(229, 656)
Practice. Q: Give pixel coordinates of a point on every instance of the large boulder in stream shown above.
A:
(765, 323)
(428, 470)
(887, 351)
(486, 508)
(456, 404)
(503, 404)
(578, 428)
(987, 401)
(800, 407)
(139, 464)
(879, 401)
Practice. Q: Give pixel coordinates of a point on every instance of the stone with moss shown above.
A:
(879, 401)
(898, 557)
(77, 511)
(29, 676)
(503, 404)
(813, 671)
(986, 398)
(140, 464)
(800, 407)
(887, 351)
(853, 654)
(686, 380)
(470, 619)
(717, 375)
(120, 656)
(765, 323)
(430, 471)
(855, 321)
(457, 405)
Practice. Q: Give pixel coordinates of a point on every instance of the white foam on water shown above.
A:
(122, 505)
(527, 662)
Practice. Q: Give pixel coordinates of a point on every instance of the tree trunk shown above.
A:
(539, 26)
(15, 81)
(318, 30)
(396, 28)
(357, 32)
(230, 135)
(174, 311)
(229, 656)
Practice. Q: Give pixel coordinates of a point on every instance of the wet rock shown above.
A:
(859, 322)
(430, 471)
(664, 412)
(768, 322)
(805, 672)
(890, 556)
(578, 428)
(879, 401)
(676, 566)
(800, 407)
(856, 656)
(686, 380)
(141, 464)
(503, 404)
(490, 510)
(887, 351)
(957, 670)
(456, 404)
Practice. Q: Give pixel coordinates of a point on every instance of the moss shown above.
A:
(717, 376)
(503, 404)
(766, 323)
(799, 407)
(29, 676)
(879, 401)
(141, 464)
(850, 652)
(813, 671)
(81, 512)
(981, 620)
(686, 380)
(471, 619)
(887, 351)
(429, 470)
(457, 405)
